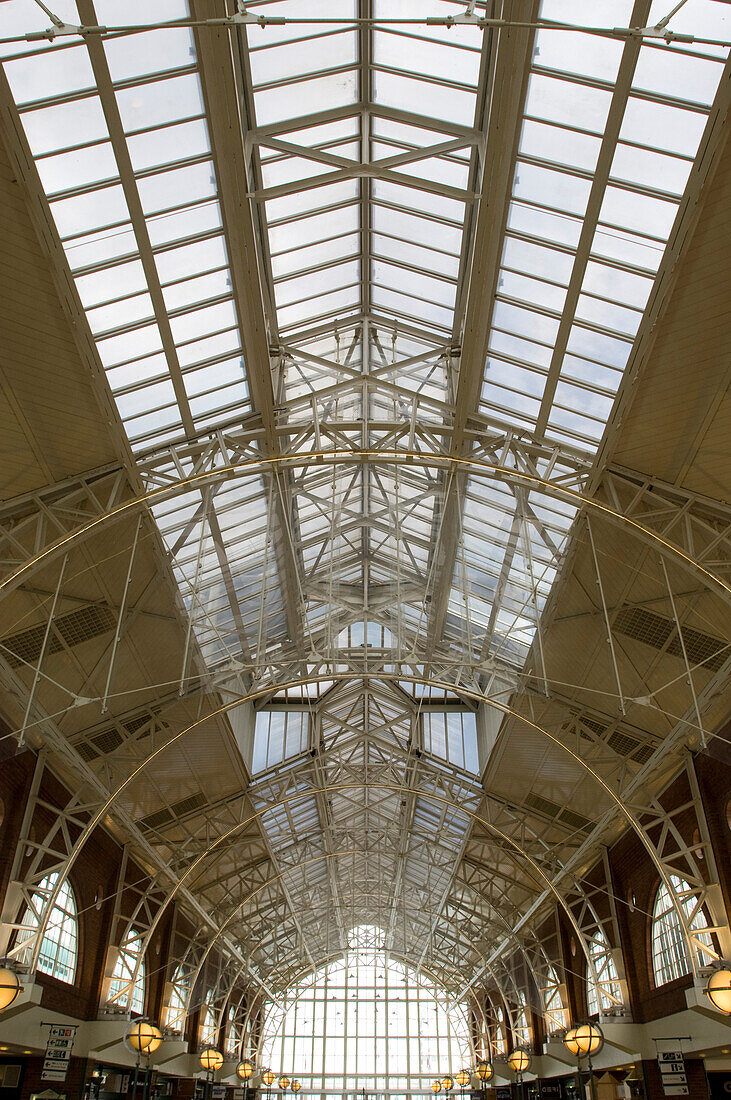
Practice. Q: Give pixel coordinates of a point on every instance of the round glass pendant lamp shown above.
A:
(245, 1069)
(483, 1070)
(436, 1087)
(570, 1042)
(447, 1083)
(296, 1086)
(718, 989)
(463, 1078)
(9, 987)
(211, 1059)
(589, 1039)
(284, 1082)
(144, 1037)
(519, 1060)
(268, 1078)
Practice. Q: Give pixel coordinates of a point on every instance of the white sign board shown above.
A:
(672, 1069)
(58, 1051)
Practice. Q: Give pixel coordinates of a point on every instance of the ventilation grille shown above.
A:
(156, 820)
(661, 633)
(621, 742)
(66, 631)
(102, 743)
(557, 813)
(110, 739)
(625, 745)
(165, 816)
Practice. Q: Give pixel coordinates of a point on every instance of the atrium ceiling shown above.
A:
(374, 375)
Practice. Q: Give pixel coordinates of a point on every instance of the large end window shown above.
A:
(367, 1021)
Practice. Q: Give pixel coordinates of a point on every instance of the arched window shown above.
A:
(59, 946)
(123, 973)
(607, 992)
(367, 1020)
(670, 955)
(521, 1025)
(208, 1021)
(501, 1046)
(234, 1030)
(174, 1014)
(557, 1017)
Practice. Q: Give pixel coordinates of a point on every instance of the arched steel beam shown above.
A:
(496, 914)
(335, 956)
(316, 859)
(301, 681)
(476, 467)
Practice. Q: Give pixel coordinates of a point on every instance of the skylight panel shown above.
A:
(277, 62)
(133, 56)
(411, 226)
(573, 90)
(295, 99)
(145, 106)
(559, 145)
(48, 128)
(437, 100)
(565, 103)
(50, 75)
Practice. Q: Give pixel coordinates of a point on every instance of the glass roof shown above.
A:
(365, 148)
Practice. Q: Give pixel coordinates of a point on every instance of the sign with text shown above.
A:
(672, 1069)
(58, 1051)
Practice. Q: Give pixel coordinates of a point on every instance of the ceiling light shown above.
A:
(9, 987)
(718, 990)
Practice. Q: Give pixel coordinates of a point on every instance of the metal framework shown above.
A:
(366, 298)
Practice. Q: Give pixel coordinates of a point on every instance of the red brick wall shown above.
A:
(695, 1074)
(636, 880)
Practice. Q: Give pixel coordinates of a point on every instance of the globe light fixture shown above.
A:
(296, 1086)
(519, 1060)
(589, 1039)
(483, 1071)
(9, 987)
(447, 1083)
(245, 1069)
(284, 1083)
(570, 1042)
(211, 1059)
(144, 1037)
(718, 989)
(436, 1087)
(268, 1078)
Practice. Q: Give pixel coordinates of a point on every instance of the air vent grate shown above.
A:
(655, 630)
(188, 805)
(67, 630)
(543, 805)
(156, 820)
(160, 818)
(576, 821)
(560, 814)
(625, 745)
(132, 725)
